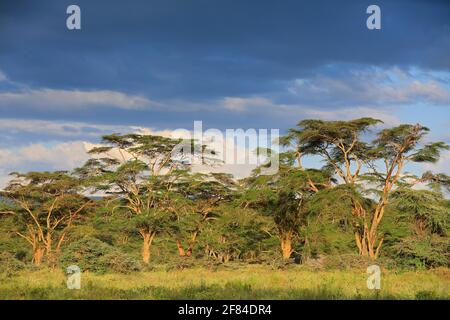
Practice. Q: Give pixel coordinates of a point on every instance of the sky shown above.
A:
(156, 66)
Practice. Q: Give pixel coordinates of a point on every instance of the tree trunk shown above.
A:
(191, 244)
(367, 243)
(365, 236)
(189, 251)
(38, 254)
(181, 252)
(48, 247)
(147, 242)
(286, 245)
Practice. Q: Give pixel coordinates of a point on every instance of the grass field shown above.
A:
(252, 282)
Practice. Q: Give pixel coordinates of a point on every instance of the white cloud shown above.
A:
(241, 104)
(51, 99)
(54, 128)
(60, 156)
(298, 111)
(442, 166)
(68, 129)
(373, 86)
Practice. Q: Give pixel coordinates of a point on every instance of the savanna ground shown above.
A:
(245, 282)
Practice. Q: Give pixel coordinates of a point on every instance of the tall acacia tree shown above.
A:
(142, 171)
(45, 205)
(285, 196)
(342, 146)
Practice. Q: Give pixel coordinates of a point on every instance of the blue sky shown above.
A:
(162, 64)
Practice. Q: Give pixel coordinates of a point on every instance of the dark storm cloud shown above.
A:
(205, 49)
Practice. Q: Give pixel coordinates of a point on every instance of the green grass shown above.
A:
(251, 282)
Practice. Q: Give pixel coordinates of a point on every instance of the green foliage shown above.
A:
(9, 263)
(153, 199)
(91, 254)
(236, 235)
(428, 211)
(427, 252)
(330, 238)
(315, 136)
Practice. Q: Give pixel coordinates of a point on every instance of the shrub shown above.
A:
(91, 254)
(9, 264)
(119, 262)
(428, 252)
(356, 262)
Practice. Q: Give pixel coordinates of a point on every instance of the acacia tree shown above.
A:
(380, 162)
(285, 196)
(416, 227)
(199, 196)
(236, 234)
(142, 172)
(45, 204)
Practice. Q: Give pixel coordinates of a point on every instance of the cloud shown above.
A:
(346, 92)
(442, 166)
(176, 50)
(53, 99)
(371, 86)
(69, 129)
(59, 156)
(3, 76)
(261, 105)
(241, 104)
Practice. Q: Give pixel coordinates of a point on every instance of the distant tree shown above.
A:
(45, 205)
(358, 163)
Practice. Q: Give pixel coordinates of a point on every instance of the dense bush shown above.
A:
(9, 263)
(237, 235)
(429, 252)
(91, 254)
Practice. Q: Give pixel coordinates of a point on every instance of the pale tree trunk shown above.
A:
(147, 242)
(286, 245)
(48, 247)
(191, 244)
(181, 252)
(38, 254)
(367, 239)
(38, 251)
(369, 244)
(190, 249)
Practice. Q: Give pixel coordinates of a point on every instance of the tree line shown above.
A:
(362, 200)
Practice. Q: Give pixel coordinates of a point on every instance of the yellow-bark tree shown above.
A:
(45, 205)
(360, 163)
